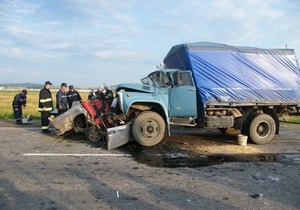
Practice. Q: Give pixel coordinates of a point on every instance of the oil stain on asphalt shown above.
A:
(166, 156)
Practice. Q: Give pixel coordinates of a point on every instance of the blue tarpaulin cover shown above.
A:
(224, 73)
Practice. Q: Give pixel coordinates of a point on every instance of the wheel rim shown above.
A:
(263, 129)
(149, 128)
(94, 135)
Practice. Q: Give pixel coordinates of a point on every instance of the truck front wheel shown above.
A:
(262, 129)
(148, 128)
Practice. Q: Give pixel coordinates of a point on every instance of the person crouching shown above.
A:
(18, 104)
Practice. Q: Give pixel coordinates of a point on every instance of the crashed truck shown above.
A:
(208, 85)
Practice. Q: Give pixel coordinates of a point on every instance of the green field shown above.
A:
(6, 98)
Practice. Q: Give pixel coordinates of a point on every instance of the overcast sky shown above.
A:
(92, 42)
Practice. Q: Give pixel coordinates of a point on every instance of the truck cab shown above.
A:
(165, 97)
(171, 89)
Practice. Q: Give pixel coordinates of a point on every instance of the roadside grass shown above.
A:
(292, 118)
(7, 97)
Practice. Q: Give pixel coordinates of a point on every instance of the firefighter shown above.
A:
(18, 104)
(99, 94)
(62, 99)
(45, 105)
(108, 98)
(92, 95)
(73, 95)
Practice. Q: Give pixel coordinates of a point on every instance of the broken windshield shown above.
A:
(157, 79)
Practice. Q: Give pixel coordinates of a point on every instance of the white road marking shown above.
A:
(85, 155)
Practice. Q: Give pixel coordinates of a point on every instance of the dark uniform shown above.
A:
(61, 102)
(92, 95)
(100, 95)
(45, 106)
(108, 98)
(18, 103)
(73, 95)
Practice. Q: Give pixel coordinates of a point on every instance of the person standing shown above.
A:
(108, 98)
(92, 95)
(73, 95)
(62, 99)
(18, 104)
(45, 105)
(100, 95)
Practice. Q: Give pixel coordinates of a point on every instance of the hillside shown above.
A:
(21, 85)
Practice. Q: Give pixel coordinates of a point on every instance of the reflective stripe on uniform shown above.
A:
(45, 127)
(45, 100)
(47, 109)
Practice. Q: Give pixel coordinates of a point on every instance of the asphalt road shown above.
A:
(41, 171)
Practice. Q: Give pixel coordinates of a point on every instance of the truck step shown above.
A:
(183, 121)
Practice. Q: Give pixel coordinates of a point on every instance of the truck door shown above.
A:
(182, 95)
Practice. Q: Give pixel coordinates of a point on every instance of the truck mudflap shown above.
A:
(118, 136)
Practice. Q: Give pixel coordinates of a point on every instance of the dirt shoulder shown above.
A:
(212, 141)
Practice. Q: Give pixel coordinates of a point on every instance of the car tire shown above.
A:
(93, 134)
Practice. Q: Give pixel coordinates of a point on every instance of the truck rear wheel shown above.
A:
(148, 128)
(262, 129)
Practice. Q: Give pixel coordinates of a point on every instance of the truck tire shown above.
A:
(262, 129)
(148, 128)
